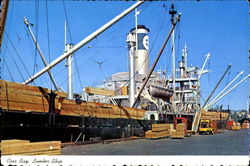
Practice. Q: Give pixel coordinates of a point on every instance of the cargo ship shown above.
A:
(125, 105)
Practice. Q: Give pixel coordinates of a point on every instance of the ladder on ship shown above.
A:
(196, 121)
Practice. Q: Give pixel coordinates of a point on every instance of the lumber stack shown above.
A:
(162, 127)
(179, 132)
(155, 135)
(235, 128)
(26, 98)
(100, 110)
(25, 147)
(224, 115)
(159, 131)
(207, 115)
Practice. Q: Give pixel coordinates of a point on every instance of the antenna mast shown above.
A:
(69, 65)
(172, 12)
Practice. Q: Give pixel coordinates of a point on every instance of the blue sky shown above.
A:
(220, 28)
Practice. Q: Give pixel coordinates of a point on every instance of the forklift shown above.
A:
(206, 127)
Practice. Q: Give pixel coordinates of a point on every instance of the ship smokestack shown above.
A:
(141, 55)
(138, 56)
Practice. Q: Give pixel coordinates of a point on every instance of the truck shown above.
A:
(206, 127)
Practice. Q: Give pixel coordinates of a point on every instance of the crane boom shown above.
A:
(84, 41)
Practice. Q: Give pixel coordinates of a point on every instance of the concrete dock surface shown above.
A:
(225, 143)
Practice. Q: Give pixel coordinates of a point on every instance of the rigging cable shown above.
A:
(178, 39)
(17, 54)
(14, 61)
(67, 22)
(9, 28)
(36, 29)
(229, 72)
(97, 38)
(109, 37)
(48, 35)
(11, 77)
(141, 64)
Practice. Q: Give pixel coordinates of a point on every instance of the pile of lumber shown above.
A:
(208, 115)
(235, 128)
(27, 98)
(179, 132)
(224, 115)
(159, 131)
(25, 147)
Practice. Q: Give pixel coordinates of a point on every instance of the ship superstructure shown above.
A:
(157, 97)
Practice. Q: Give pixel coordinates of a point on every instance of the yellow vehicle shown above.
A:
(206, 127)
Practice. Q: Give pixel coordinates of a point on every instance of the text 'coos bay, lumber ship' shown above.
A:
(114, 109)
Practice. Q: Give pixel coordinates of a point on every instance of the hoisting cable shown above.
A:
(14, 61)
(36, 22)
(160, 23)
(15, 50)
(229, 66)
(11, 77)
(48, 36)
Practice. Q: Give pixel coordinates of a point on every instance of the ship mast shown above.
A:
(172, 12)
(69, 65)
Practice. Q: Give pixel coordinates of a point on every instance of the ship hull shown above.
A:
(44, 126)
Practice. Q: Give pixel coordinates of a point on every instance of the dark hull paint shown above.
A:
(44, 126)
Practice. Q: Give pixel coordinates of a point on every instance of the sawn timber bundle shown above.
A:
(26, 98)
(25, 147)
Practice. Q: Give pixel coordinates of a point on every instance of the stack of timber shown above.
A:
(224, 115)
(26, 98)
(159, 131)
(207, 115)
(99, 91)
(179, 132)
(25, 147)
(235, 128)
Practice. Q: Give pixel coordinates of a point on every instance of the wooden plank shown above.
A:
(27, 89)
(23, 106)
(99, 110)
(49, 152)
(154, 134)
(99, 91)
(161, 127)
(177, 134)
(12, 141)
(30, 147)
(24, 98)
(181, 127)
